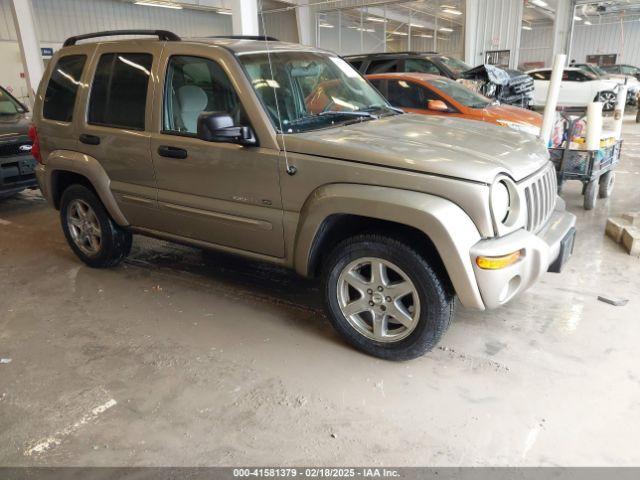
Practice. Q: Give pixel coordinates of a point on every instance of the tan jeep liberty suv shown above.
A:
(285, 154)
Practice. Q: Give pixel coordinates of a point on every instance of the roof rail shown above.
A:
(163, 35)
(246, 37)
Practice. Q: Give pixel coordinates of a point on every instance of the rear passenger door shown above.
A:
(220, 193)
(115, 127)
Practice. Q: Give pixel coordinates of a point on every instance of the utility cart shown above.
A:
(594, 168)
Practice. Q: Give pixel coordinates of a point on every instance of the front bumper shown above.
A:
(543, 251)
(17, 173)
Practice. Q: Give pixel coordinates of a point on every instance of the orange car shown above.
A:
(436, 95)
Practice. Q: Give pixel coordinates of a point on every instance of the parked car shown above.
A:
(210, 142)
(578, 88)
(435, 95)
(622, 70)
(16, 163)
(632, 83)
(507, 86)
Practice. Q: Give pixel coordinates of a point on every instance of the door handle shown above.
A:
(90, 139)
(171, 152)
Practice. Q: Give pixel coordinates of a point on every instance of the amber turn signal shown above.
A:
(496, 263)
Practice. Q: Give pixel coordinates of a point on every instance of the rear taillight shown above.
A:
(35, 147)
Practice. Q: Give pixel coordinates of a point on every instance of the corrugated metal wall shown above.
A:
(622, 39)
(59, 19)
(536, 45)
(612, 37)
(281, 25)
(499, 26)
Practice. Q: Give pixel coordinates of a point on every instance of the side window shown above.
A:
(194, 85)
(382, 66)
(420, 66)
(405, 94)
(119, 90)
(60, 96)
(574, 76)
(379, 85)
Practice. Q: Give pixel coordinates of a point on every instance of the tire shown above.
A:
(608, 99)
(426, 319)
(606, 183)
(590, 194)
(113, 243)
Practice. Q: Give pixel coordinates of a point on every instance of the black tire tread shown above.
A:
(117, 241)
(418, 342)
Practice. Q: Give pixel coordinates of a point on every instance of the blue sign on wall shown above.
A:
(47, 51)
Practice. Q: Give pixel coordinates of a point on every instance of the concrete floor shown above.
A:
(183, 358)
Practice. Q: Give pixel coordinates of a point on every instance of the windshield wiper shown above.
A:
(360, 114)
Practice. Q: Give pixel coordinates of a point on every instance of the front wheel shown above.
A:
(590, 194)
(385, 299)
(608, 99)
(91, 233)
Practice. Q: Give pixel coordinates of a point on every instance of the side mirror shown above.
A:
(218, 127)
(437, 106)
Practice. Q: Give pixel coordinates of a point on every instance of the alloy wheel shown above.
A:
(378, 299)
(84, 227)
(608, 100)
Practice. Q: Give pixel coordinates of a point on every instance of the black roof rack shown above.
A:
(247, 37)
(161, 34)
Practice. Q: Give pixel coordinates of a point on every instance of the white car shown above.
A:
(632, 83)
(577, 89)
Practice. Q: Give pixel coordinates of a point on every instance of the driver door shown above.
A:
(219, 193)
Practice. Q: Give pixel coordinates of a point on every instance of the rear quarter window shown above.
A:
(119, 90)
(60, 96)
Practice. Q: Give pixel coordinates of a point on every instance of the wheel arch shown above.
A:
(434, 226)
(65, 168)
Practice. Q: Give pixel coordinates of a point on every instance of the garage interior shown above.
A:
(185, 357)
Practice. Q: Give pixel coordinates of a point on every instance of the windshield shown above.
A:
(304, 91)
(597, 70)
(8, 104)
(455, 65)
(460, 93)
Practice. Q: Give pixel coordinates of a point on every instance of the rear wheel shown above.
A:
(385, 299)
(606, 184)
(91, 233)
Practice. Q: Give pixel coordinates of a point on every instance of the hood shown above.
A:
(453, 147)
(14, 125)
(494, 113)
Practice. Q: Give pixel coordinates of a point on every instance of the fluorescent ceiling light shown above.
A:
(452, 11)
(424, 35)
(587, 22)
(577, 18)
(155, 3)
(416, 25)
(447, 6)
(377, 19)
(446, 29)
(526, 27)
(403, 34)
(325, 25)
(540, 3)
(224, 12)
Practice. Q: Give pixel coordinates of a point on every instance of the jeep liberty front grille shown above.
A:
(540, 194)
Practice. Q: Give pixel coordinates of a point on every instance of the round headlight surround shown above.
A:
(500, 201)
